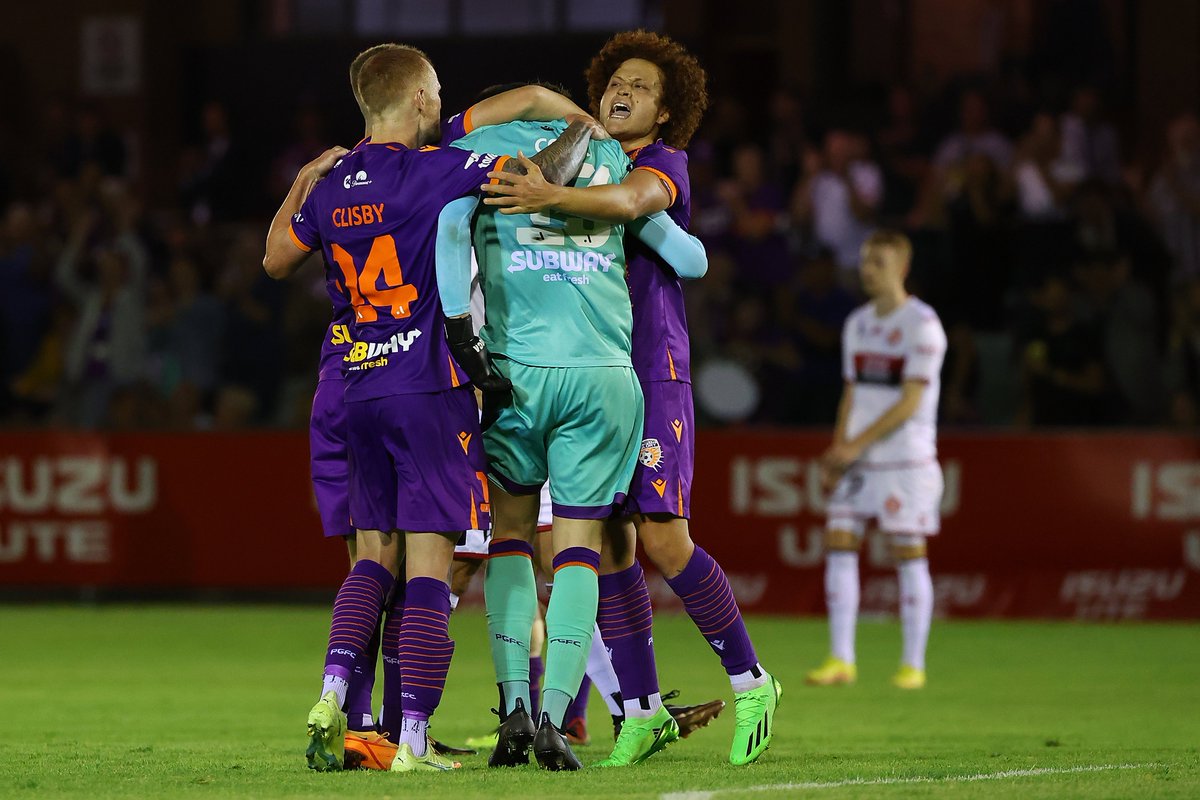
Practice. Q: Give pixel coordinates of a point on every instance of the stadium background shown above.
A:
(155, 140)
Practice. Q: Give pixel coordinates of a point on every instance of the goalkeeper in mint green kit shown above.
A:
(558, 327)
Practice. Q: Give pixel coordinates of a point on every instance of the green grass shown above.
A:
(208, 702)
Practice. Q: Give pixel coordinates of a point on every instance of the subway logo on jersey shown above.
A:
(565, 260)
(368, 355)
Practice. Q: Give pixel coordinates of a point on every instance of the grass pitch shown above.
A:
(210, 702)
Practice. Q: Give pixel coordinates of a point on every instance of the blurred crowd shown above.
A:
(1065, 267)
(1066, 270)
(119, 316)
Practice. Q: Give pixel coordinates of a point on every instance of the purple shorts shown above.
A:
(417, 464)
(662, 481)
(327, 457)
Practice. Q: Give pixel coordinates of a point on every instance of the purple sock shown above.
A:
(393, 682)
(625, 619)
(708, 600)
(578, 707)
(356, 616)
(425, 645)
(360, 713)
(537, 668)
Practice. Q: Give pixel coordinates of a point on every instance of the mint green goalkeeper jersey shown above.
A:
(554, 286)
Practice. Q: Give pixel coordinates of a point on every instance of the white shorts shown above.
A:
(474, 544)
(545, 514)
(905, 501)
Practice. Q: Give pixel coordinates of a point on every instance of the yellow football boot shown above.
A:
(909, 678)
(832, 672)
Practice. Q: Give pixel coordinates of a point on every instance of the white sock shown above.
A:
(600, 670)
(337, 685)
(916, 608)
(841, 599)
(752, 678)
(635, 709)
(415, 734)
(613, 703)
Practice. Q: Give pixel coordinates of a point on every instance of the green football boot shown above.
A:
(641, 738)
(754, 725)
(326, 735)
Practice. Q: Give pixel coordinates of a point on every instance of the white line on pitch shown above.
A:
(985, 776)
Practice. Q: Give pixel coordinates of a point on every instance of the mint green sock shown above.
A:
(570, 620)
(511, 597)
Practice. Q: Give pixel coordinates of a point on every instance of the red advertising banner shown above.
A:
(230, 511)
(1098, 526)
(1103, 526)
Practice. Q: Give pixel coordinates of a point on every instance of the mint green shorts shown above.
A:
(579, 427)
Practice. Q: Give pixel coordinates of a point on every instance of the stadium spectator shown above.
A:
(757, 342)
(107, 348)
(1089, 141)
(1061, 363)
(1044, 177)
(187, 332)
(253, 344)
(975, 136)
(813, 317)
(25, 302)
(308, 142)
(756, 206)
(214, 183)
(1183, 356)
(92, 144)
(903, 153)
(979, 246)
(785, 137)
(1175, 196)
(1124, 314)
(839, 195)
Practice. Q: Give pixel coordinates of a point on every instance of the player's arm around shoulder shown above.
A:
(641, 193)
(559, 161)
(531, 103)
(292, 236)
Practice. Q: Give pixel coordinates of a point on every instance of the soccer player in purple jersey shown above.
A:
(415, 452)
(649, 93)
(330, 470)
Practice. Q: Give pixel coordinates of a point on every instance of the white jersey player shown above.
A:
(882, 464)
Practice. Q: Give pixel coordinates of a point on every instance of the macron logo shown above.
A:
(719, 644)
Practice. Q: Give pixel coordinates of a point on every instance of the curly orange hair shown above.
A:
(684, 92)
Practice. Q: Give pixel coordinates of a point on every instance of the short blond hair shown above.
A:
(889, 239)
(356, 67)
(386, 77)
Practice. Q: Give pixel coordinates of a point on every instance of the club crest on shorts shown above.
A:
(652, 454)
(892, 504)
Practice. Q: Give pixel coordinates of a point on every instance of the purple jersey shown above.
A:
(337, 337)
(660, 336)
(456, 127)
(375, 217)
